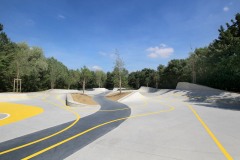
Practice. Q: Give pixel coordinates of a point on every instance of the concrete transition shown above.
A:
(191, 86)
(147, 89)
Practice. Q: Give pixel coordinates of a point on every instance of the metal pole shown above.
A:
(20, 85)
(14, 85)
(17, 85)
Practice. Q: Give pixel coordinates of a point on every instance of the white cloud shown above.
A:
(160, 51)
(61, 16)
(110, 55)
(225, 9)
(97, 68)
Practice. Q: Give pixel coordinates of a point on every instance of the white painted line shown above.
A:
(6, 116)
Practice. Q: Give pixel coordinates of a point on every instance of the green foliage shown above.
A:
(85, 76)
(57, 72)
(120, 73)
(216, 65)
(100, 78)
(7, 48)
(109, 84)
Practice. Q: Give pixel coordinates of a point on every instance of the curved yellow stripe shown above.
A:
(93, 128)
(47, 137)
(18, 112)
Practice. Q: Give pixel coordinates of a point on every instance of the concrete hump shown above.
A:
(195, 87)
(147, 89)
(100, 89)
(63, 91)
(133, 97)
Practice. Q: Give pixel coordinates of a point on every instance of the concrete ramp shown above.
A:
(192, 87)
(147, 89)
(133, 97)
(63, 91)
(100, 89)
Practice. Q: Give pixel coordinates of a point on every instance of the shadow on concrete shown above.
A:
(222, 100)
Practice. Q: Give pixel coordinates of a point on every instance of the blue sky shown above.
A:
(146, 33)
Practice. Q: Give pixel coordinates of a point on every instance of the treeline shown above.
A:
(217, 65)
(20, 61)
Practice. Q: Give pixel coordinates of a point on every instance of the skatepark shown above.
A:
(190, 122)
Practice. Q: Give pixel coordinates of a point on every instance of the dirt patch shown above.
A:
(117, 96)
(83, 98)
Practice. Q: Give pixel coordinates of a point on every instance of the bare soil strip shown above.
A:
(117, 96)
(83, 98)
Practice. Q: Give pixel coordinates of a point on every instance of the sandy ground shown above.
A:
(83, 98)
(117, 96)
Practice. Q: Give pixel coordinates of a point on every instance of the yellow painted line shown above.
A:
(50, 136)
(93, 128)
(214, 138)
(18, 112)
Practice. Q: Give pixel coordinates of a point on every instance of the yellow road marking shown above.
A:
(93, 128)
(214, 138)
(18, 112)
(47, 137)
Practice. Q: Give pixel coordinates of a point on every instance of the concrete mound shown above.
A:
(147, 89)
(133, 97)
(100, 89)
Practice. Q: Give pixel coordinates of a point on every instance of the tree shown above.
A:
(7, 48)
(85, 75)
(72, 78)
(37, 64)
(160, 71)
(176, 71)
(109, 84)
(100, 78)
(56, 71)
(120, 73)
(156, 79)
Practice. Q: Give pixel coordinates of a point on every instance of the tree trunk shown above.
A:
(156, 85)
(52, 85)
(120, 84)
(83, 85)
(99, 84)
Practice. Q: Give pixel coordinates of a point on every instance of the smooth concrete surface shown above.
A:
(192, 86)
(159, 125)
(67, 147)
(175, 135)
(54, 114)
